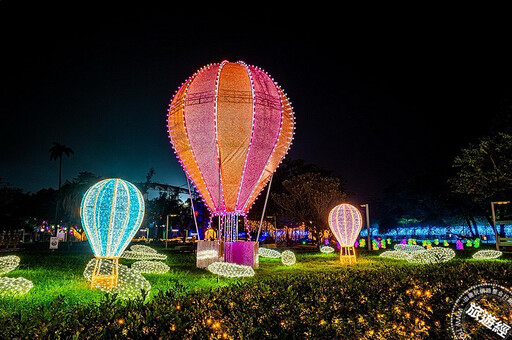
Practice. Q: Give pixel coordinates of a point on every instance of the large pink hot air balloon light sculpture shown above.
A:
(346, 221)
(230, 126)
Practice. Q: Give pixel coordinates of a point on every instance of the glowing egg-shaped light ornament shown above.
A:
(111, 211)
(345, 222)
(230, 126)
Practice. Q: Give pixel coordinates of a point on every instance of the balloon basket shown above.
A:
(208, 252)
(242, 252)
(347, 255)
(105, 279)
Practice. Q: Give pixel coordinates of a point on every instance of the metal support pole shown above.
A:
(368, 226)
(166, 231)
(193, 210)
(264, 208)
(494, 226)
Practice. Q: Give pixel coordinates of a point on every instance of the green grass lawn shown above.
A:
(372, 299)
(60, 272)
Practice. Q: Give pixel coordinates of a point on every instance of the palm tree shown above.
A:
(56, 152)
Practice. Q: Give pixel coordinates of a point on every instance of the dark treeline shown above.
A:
(302, 192)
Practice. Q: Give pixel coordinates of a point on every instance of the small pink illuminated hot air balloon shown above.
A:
(230, 126)
(346, 221)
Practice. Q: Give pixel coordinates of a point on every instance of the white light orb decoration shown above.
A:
(14, 286)
(8, 263)
(130, 285)
(266, 252)
(327, 249)
(396, 255)
(228, 269)
(288, 258)
(345, 222)
(150, 267)
(111, 211)
(432, 255)
(487, 254)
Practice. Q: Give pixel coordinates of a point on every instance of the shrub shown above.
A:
(402, 301)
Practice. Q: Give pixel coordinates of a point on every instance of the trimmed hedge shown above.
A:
(392, 302)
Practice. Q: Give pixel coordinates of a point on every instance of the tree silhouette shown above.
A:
(309, 198)
(56, 152)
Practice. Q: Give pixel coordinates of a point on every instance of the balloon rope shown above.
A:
(264, 207)
(193, 211)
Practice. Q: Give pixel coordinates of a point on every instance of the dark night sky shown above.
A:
(377, 98)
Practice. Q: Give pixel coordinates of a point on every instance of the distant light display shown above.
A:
(288, 258)
(111, 211)
(487, 254)
(345, 221)
(459, 245)
(227, 269)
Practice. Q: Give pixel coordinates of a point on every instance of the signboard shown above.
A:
(54, 242)
(61, 235)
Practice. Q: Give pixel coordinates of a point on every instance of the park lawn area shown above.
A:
(59, 286)
(60, 272)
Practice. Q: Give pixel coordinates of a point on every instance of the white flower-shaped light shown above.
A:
(397, 255)
(14, 286)
(487, 254)
(150, 267)
(228, 269)
(142, 252)
(432, 255)
(266, 252)
(327, 249)
(409, 248)
(8, 263)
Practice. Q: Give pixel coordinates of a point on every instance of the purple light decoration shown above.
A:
(240, 253)
(459, 245)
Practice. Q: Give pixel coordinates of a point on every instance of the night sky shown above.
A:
(377, 98)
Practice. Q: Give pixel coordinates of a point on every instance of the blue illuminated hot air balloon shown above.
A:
(111, 211)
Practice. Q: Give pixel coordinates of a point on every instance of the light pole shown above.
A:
(167, 228)
(494, 221)
(367, 225)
